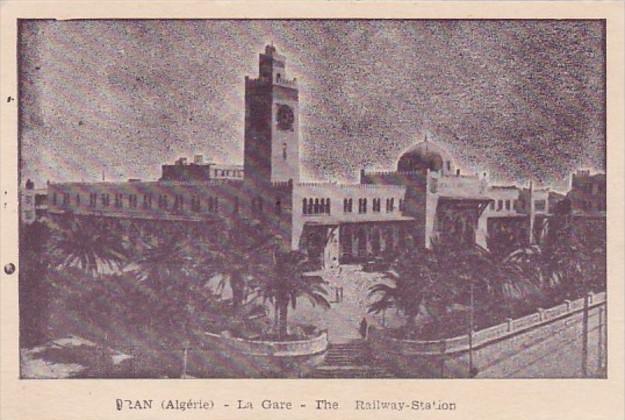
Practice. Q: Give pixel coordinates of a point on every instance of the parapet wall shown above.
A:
(491, 346)
(265, 359)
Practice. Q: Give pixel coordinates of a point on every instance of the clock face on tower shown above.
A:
(285, 117)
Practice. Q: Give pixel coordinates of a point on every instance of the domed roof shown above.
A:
(422, 156)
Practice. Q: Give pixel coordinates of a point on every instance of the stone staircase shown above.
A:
(349, 360)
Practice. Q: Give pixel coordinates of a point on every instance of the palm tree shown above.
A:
(85, 244)
(495, 284)
(282, 280)
(167, 273)
(442, 280)
(34, 287)
(414, 283)
(567, 262)
(231, 250)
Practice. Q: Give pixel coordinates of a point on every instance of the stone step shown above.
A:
(331, 371)
(353, 353)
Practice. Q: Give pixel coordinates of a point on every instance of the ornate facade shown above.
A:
(426, 199)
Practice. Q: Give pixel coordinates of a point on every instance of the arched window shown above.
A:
(278, 76)
(327, 205)
(316, 208)
(284, 151)
(304, 206)
(310, 206)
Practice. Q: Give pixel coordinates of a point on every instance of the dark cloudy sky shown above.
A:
(515, 98)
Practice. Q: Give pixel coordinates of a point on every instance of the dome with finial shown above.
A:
(423, 156)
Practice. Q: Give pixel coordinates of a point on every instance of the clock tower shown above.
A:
(271, 122)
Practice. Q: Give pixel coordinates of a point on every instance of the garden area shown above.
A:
(120, 296)
(446, 290)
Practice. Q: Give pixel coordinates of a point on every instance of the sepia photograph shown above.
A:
(312, 198)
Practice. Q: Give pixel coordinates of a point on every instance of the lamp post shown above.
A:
(471, 307)
(585, 336)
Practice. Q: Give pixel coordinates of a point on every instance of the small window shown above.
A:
(278, 207)
(507, 204)
(77, 199)
(540, 205)
(499, 205)
(147, 201)
(376, 205)
(284, 151)
(304, 206)
(362, 205)
(492, 205)
(195, 203)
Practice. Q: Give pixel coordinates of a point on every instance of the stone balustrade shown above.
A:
(481, 337)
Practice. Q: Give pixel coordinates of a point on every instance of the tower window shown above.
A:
(178, 202)
(236, 205)
(284, 151)
(257, 205)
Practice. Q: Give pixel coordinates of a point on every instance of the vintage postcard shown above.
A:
(260, 210)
